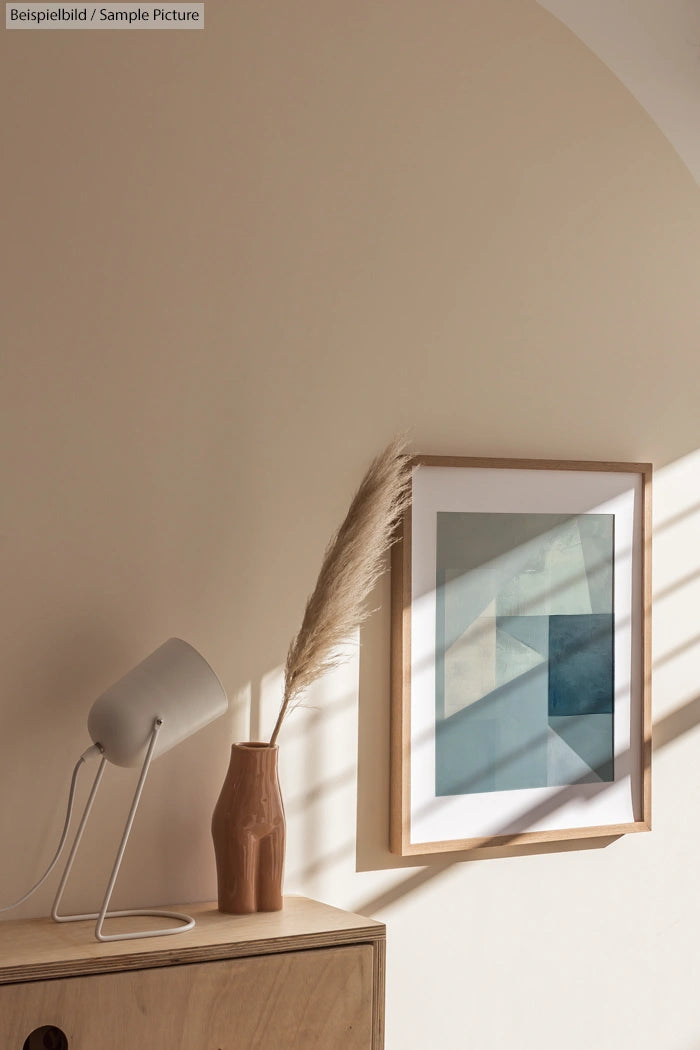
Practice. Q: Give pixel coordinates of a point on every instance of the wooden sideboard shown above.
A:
(309, 977)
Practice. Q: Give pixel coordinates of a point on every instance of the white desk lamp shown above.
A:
(163, 700)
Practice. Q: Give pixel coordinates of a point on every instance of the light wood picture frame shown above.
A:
(521, 655)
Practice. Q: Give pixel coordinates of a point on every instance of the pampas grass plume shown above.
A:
(352, 563)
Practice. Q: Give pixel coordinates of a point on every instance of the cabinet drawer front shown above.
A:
(310, 1000)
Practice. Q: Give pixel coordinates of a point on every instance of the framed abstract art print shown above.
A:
(520, 654)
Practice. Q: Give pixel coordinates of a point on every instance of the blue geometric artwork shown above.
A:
(524, 662)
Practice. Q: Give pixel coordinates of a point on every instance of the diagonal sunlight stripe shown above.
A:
(665, 731)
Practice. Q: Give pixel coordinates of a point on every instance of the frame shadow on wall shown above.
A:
(373, 776)
(373, 803)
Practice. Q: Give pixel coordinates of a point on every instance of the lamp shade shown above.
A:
(175, 684)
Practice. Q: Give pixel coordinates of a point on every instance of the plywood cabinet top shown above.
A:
(37, 949)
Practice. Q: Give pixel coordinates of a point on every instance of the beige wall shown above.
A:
(653, 49)
(235, 262)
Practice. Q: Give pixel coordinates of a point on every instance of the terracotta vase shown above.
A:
(248, 828)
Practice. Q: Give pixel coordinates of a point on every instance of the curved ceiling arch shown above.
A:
(653, 47)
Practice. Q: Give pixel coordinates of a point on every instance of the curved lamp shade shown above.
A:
(165, 699)
(174, 684)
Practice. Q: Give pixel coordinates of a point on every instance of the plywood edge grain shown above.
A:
(39, 949)
(378, 994)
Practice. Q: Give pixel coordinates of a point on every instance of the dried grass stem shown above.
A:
(352, 563)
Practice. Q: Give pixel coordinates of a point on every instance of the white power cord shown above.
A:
(91, 752)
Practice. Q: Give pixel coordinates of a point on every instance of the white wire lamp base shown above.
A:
(187, 923)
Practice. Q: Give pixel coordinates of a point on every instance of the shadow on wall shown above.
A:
(666, 731)
(337, 798)
(676, 566)
(339, 813)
